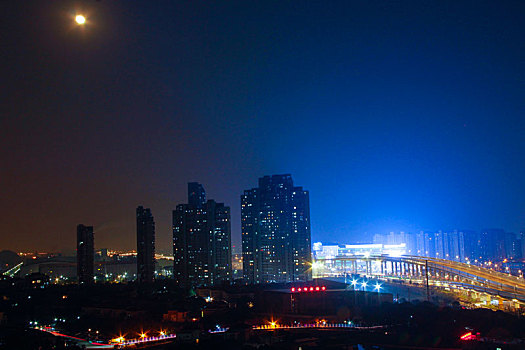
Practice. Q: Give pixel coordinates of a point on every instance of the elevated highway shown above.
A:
(13, 270)
(427, 272)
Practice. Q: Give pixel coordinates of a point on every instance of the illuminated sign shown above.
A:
(308, 289)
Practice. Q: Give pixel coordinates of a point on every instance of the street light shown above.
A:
(120, 339)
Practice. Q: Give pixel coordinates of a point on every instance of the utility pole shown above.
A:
(426, 274)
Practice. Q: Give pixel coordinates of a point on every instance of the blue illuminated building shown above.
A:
(275, 225)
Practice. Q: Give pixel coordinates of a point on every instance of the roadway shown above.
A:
(118, 341)
(440, 271)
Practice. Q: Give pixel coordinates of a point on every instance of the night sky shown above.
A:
(394, 115)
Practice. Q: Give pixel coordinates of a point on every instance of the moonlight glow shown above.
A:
(80, 19)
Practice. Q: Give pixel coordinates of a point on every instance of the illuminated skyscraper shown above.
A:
(275, 220)
(85, 254)
(201, 240)
(145, 245)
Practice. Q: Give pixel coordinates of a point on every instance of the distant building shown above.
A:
(471, 245)
(275, 220)
(85, 254)
(201, 240)
(512, 246)
(439, 244)
(145, 245)
(492, 244)
(522, 243)
(103, 254)
(442, 245)
(334, 251)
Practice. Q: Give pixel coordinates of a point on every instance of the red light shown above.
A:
(299, 289)
(316, 288)
(311, 289)
(323, 288)
(293, 289)
(467, 336)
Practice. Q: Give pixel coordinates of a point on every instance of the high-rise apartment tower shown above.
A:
(85, 254)
(145, 245)
(201, 240)
(276, 242)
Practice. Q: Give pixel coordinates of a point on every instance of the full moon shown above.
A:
(80, 19)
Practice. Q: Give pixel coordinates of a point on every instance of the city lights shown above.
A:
(468, 336)
(308, 289)
(119, 339)
(317, 266)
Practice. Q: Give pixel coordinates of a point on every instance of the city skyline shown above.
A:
(395, 116)
(262, 174)
(363, 237)
(166, 249)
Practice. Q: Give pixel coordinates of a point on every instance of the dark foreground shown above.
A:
(104, 312)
